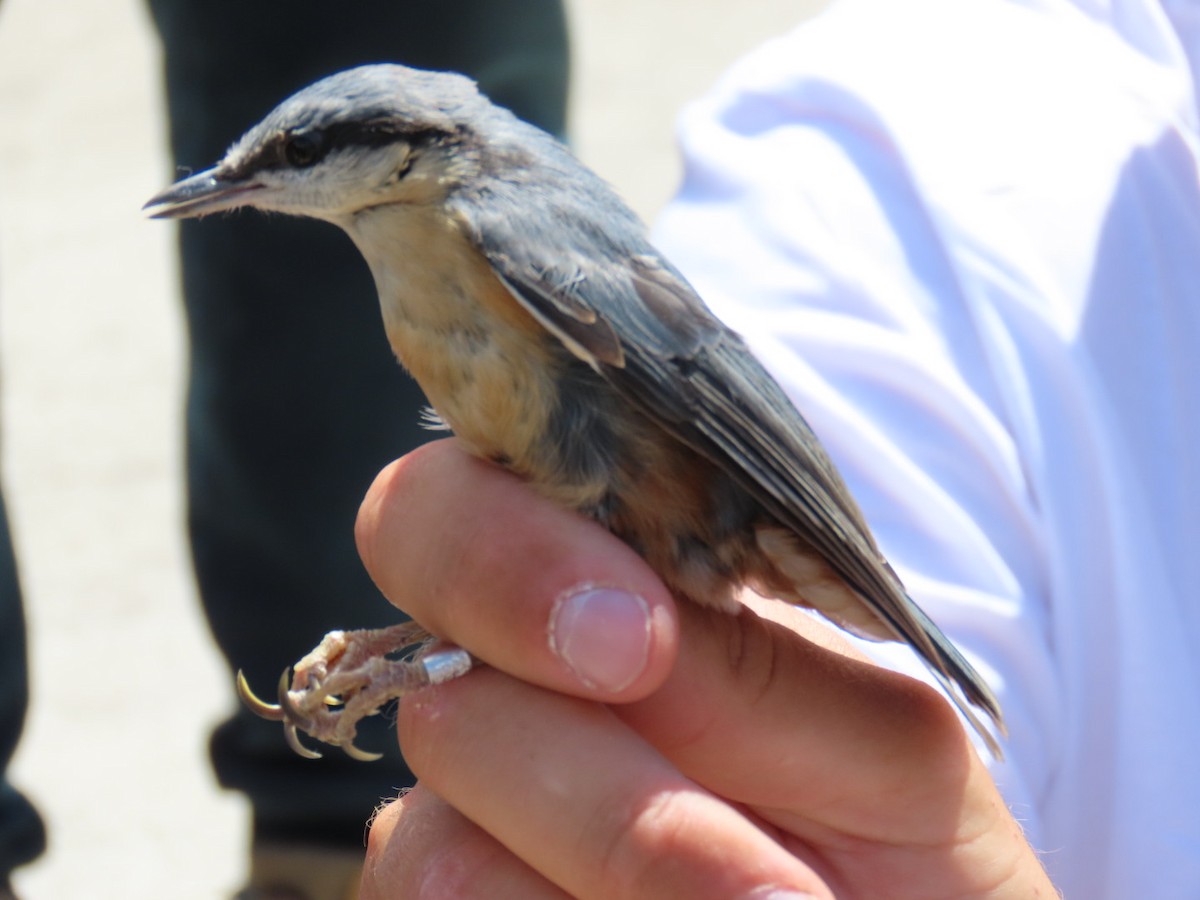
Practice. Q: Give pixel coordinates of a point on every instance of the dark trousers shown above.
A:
(294, 399)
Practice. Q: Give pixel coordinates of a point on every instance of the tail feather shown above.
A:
(963, 685)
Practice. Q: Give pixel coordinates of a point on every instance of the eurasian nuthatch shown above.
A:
(554, 340)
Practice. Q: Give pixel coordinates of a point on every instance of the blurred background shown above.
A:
(91, 369)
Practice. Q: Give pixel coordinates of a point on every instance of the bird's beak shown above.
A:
(200, 194)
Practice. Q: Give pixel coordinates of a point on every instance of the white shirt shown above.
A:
(965, 236)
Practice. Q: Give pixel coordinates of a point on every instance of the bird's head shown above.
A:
(365, 137)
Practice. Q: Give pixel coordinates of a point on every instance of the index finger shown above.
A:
(479, 559)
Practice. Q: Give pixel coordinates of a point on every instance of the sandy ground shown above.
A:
(91, 353)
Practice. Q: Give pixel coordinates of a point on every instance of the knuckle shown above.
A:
(932, 724)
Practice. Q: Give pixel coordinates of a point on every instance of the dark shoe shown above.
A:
(299, 872)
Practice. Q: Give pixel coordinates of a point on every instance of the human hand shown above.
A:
(623, 745)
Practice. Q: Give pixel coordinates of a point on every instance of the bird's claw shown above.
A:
(291, 734)
(261, 708)
(291, 713)
(348, 677)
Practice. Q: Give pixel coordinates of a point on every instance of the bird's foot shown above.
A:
(349, 676)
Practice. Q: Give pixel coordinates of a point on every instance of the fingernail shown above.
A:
(603, 635)
(778, 893)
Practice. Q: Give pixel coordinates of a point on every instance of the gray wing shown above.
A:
(639, 323)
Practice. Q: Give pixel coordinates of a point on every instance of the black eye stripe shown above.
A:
(304, 148)
(359, 134)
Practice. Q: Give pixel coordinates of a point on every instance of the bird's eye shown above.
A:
(304, 149)
(406, 165)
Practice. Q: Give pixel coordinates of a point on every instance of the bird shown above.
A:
(554, 340)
